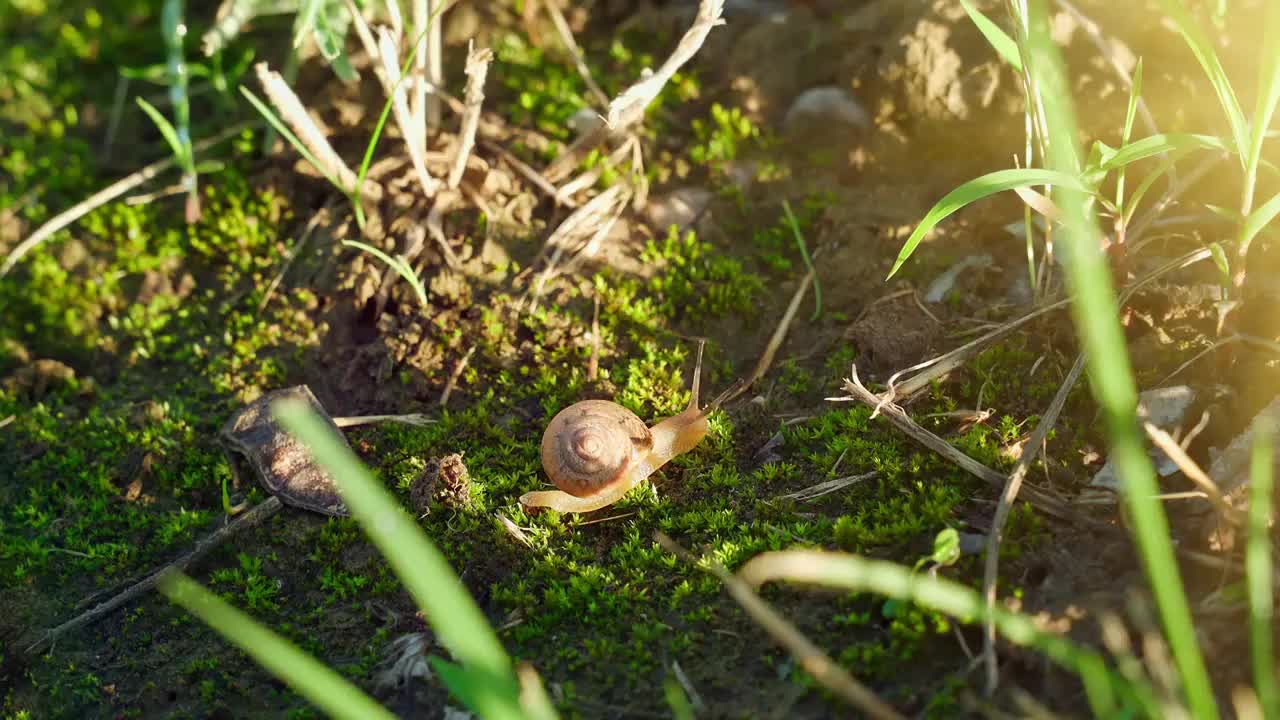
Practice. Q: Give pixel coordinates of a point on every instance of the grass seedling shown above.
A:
(397, 264)
(179, 137)
(1258, 567)
(808, 263)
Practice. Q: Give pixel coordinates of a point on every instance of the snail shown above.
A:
(595, 451)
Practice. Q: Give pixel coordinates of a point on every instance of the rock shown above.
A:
(1165, 408)
(943, 284)
(822, 107)
(1230, 468)
(679, 207)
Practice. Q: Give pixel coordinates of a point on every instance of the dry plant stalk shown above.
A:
(294, 113)
(817, 663)
(477, 68)
(579, 63)
(400, 107)
(1194, 473)
(592, 221)
(991, 568)
(628, 108)
(1044, 501)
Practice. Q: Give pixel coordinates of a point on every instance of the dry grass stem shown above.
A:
(589, 177)
(814, 492)
(7, 420)
(1042, 500)
(435, 226)
(695, 699)
(415, 419)
(108, 194)
(295, 115)
(514, 530)
(817, 663)
(395, 17)
(991, 568)
(579, 63)
(400, 108)
(255, 516)
(435, 63)
(369, 43)
(477, 68)
(593, 364)
(458, 369)
(775, 340)
(1194, 473)
(310, 229)
(591, 222)
(628, 108)
(527, 172)
(420, 12)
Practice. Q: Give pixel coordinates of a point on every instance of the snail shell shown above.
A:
(590, 446)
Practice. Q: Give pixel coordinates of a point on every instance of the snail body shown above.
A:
(596, 451)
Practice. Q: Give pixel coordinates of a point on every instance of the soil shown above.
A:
(942, 110)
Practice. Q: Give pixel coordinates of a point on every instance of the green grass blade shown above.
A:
(166, 129)
(808, 262)
(1000, 41)
(305, 21)
(1160, 144)
(1268, 97)
(320, 685)
(958, 601)
(474, 688)
(1258, 566)
(677, 700)
(976, 189)
(1259, 219)
(1096, 313)
(397, 264)
(1202, 48)
(1135, 91)
(284, 130)
(457, 621)
(1131, 205)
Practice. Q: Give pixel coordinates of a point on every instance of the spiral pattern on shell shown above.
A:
(590, 445)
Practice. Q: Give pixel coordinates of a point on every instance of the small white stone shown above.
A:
(827, 103)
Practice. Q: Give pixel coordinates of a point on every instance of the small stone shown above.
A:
(824, 106)
(679, 207)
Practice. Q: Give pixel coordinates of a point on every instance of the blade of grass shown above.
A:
(1000, 41)
(951, 598)
(1202, 48)
(1135, 91)
(808, 262)
(167, 131)
(974, 190)
(1268, 97)
(320, 685)
(458, 622)
(397, 264)
(1259, 219)
(284, 130)
(1258, 566)
(1095, 311)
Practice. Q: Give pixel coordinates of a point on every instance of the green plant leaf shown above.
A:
(1000, 41)
(320, 685)
(1202, 47)
(397, 264)
(167, 130)
(284, 130)
(489, 696)
(976, 189)
(1259, 219)
(946, 547)
(1220, 260)
(447, 605)
(1150, 146)
(1258, 565)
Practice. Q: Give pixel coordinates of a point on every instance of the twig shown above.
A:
(453, 376)
(435, 62)
(513, 530)
(1007, 497)
(816, 662)
(593, 364)
(435, 226)
(1194, 473)
(400, 109)
(415, 419)
(307, 232)
(477, 67)
(1043, 501)
(593, 220)
(527, 172)
(259, 513)
(579, 62)
(775, 341)
(808, 263)
(107, 194)
(293, 112)
(814, 492)
(694, 698)
(7, 420)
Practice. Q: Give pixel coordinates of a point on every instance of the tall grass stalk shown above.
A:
(175, 31)
(1258, 566)
(1095, 312)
